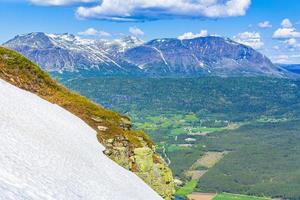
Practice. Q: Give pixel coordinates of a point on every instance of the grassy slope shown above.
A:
(24, 74)
(188, 188)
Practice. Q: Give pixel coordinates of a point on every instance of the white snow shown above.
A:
(48, 153)
(161, 55)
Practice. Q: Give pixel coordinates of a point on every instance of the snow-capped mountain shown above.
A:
(118, 46)
(66, 52)
(203, 56)
(48, 153)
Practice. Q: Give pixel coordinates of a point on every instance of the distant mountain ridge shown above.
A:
(203, 56)
(69, 53)
(294, 68)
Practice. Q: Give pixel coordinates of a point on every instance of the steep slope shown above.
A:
(131, 149)
(201, 56)
(66, 52)
(48, 153)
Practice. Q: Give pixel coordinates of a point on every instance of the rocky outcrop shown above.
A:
(134, 151)
(144, 162)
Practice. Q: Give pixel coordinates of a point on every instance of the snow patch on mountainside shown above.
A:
(48, 153)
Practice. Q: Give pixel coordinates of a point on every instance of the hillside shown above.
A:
(131, 149)
(129, 56)
(48, 153)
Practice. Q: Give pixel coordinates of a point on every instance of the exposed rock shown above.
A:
(102, 128)
(97, 119)
(158, 175)
(141, 161)
(178, 182)
(126, 124)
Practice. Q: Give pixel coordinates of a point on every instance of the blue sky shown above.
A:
(271, 26)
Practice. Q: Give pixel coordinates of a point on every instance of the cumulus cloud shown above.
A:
(286, 23)
(252, 39)
(136, 31)
(286, 33)
(190, 35)
(89, 32)
(140, 10)
(59, 2)
(94, 32)
(291, 43)
(265, 24)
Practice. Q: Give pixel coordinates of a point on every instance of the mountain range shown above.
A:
(202, 56)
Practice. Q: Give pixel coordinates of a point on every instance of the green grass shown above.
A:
(228, 196)
(178, 131)
(188, 188)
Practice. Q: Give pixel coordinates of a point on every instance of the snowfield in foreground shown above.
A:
(48, 153)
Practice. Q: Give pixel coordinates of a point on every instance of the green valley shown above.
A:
(234, 135)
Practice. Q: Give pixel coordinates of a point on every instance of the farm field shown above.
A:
(227, 196)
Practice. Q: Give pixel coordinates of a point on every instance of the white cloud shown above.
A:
(286, 23)
(94, 32)
(136, 31)
(252, 39)
(89, 32)
(59, 2)
(104, 34)
(286, 33)
(281, 59)
(292, 43)
(265, 24)
(190, 35)
(295, 56)
(139, 10)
